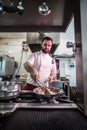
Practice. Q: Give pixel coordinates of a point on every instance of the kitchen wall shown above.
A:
(68, 69)
(67, 65)
(64, 38)
(12, 45)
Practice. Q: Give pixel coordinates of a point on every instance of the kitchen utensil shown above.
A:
(42, 84)
(39, 91)
(9, 89)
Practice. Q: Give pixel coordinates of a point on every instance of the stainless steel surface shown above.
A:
(9, 89)
(81, 55)
(5, 95)
(6, 107)
(6, 65)
(34, 40)
(49, 106)
(36, 37)
(37, 47)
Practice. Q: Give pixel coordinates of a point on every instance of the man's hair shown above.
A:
(47, 38)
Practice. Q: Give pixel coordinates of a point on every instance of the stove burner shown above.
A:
(33, 98)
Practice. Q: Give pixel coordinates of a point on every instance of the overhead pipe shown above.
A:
(73, 46)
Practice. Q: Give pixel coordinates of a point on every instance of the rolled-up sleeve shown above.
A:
(54, 69)
(31, 59)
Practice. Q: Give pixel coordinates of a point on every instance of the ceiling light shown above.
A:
(44, 9)
(1, 7)
(10, 7)
(20, 8)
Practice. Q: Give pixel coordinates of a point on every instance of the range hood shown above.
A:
(34, 40)
(37, 47)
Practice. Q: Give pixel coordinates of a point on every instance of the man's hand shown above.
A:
(51, 77)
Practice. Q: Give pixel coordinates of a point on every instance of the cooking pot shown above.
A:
(9, 89)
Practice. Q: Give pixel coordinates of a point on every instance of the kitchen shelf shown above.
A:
(64, 56)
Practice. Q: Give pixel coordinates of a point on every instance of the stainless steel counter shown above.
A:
(11, 107)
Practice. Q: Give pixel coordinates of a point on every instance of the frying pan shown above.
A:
(48, 95)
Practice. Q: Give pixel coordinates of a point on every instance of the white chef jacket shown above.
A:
(44, 64)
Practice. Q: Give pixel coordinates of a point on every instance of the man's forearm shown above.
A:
(28, 67)
(33, 72)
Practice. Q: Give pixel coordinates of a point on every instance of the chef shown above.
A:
(40, 66)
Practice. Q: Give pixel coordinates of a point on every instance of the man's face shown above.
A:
(46, 46)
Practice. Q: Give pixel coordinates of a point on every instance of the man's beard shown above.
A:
(44, 51)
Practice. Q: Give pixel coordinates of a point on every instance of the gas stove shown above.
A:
(30, 100)
(30, 97)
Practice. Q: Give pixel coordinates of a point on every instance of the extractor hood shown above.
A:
(37, 47)
(34, 40)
